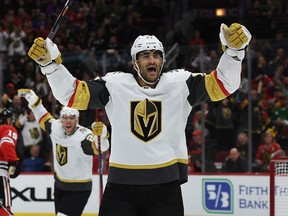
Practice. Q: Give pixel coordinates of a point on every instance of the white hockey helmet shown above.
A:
(146, 42)
(67, 111)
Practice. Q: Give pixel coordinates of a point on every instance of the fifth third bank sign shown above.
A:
(217, 196)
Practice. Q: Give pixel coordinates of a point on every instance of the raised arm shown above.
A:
(235, 40)
(48, 57)
(35, 104)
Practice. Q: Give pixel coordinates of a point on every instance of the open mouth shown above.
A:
(152, 70)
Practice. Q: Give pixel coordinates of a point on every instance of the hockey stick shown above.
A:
(56, 25)
(6, 209)
(100, 168)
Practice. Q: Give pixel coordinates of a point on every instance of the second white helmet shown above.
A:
(67, 111)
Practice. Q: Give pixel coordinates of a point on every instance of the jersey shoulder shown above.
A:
(83, 131)
(176, 75)
(7, 131)
(118, 76)
(4, 128)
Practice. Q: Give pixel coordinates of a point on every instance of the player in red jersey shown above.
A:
(9, 162)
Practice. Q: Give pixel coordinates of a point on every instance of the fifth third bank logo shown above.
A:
(217, 196)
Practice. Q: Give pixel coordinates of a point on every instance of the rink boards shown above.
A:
(204, 195)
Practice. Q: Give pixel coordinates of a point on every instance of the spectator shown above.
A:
(7, 97)
(196, 40)
(235, 162)
(281, 79)
(279, 117)
(262, 67)
(17, 108)
(16, 46)
(267, 123)
(195, 153)
(41, 88)
(34, 163)
(98, 41)
(214, 58)
(3, 39)
(242, 144)
(31, 132)
(256, 118)
(195, 150)
(199, 59)
(267, 150)
(279, 59)
(224, 125)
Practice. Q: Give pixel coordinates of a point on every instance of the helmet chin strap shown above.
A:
(136, 67)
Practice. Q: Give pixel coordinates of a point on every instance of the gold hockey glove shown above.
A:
(234, 35)
(44, 52)
(100, 129)
(32, 99)
(234, 40)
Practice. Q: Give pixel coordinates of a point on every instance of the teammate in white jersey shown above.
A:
(73, 149)
(148, 113)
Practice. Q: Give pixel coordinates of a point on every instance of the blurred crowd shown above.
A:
(88, 29)
(103, 29)
(226, 124)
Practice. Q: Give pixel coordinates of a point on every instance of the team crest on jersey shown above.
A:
(146, 119)
(61, 155)
(34, 133)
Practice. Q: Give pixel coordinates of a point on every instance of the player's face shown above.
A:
(150, 63)
(9, 121)
(69, 123)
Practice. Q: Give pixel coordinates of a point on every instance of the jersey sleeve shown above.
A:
(95, 89)
(75, 93)
(44, 118)
(89, 146)
(217, 85)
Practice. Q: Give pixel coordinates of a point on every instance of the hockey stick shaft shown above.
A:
(100, 168)
(56, 25)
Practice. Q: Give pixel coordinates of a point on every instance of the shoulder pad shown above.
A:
(175, 71)
(117, 76)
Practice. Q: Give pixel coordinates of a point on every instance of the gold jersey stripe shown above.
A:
(73, 181)
(146, 166)
(214, 87)
(81, 96)
(44, 119)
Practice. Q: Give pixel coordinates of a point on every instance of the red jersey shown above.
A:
(264, 152)
(8, 140)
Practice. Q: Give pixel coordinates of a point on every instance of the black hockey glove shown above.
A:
(14, 168)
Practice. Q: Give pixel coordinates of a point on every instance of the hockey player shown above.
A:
(10, 166)
(73, 150)
(148, 112)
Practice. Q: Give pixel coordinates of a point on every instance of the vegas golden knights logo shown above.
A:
(226, 113)
(34, 133)
(61, 155)
(146, 119)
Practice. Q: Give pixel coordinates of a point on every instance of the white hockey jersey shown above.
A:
(148, 143)
(72, 154)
